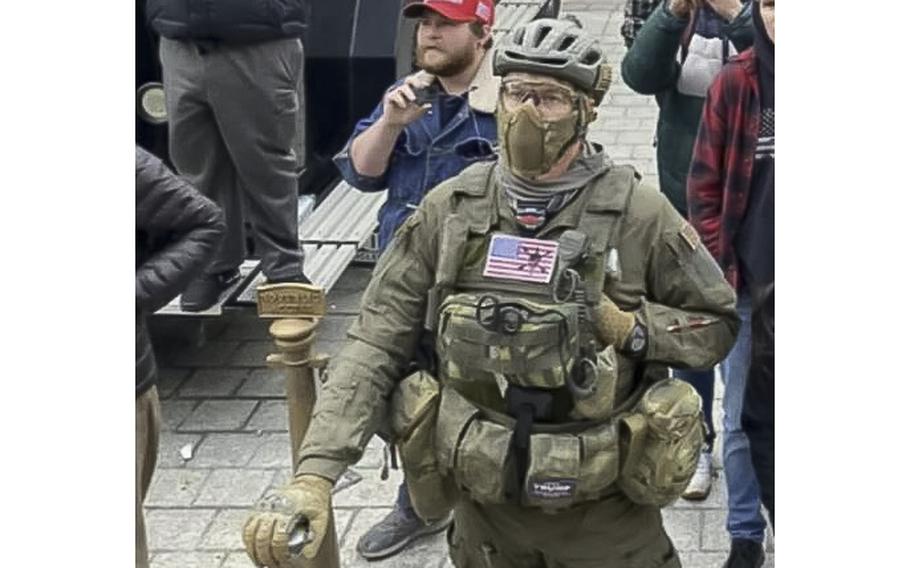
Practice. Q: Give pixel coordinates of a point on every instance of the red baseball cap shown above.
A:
(455, 10)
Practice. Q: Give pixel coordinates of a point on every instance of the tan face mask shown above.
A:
(529, 145)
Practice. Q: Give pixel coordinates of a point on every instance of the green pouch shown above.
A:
(413, 416)
(598, 406)
(473, 449)
(455, 414)
(480, 336)
(600, 461)
(566, 469)
(661, 439)
(553, 471)
(481, 464)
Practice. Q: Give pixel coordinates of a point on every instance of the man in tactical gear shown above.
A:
(556, 290)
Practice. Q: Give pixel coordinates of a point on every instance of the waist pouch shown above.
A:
(413, 415)
(564, 468)
(533, 344)
(661, 440)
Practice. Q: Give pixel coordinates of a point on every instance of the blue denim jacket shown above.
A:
(425, 155)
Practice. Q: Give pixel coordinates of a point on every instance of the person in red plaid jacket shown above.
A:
(733, 149)
(730, 194)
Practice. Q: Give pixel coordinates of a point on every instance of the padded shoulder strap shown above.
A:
(601, 221)
(473, 210)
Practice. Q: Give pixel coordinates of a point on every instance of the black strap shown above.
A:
(526, 406)
(687, 34)
(521, 444)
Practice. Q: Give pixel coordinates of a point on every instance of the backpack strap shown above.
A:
(686, 38)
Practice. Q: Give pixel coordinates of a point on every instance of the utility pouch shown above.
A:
(480, 336)
(474, 451)
(661, 440)
(598, 404)
(563, 468)
(568, 468)
(413, 416)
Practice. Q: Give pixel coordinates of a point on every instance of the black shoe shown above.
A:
(204, 292)
(745, 554)
(397, 530)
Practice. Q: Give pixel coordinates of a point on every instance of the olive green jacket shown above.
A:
(667, 278)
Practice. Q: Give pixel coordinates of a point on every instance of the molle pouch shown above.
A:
(455, 415)
(413, 416)
(565, 469)
(482, 461)
(532, 344)
(661, 439)
(599, 461)
(594, 399)
(554, 469)
(472, 450)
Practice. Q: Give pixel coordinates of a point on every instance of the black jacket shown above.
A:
(177, 232)
(228, 20)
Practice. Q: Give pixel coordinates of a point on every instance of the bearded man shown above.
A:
(409, 145)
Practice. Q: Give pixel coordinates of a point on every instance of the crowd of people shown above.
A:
(539, 338)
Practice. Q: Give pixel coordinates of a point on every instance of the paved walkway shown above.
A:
(219, 399)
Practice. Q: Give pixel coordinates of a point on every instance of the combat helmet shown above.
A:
(556, 48)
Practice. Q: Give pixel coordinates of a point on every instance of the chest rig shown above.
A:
(526, 388)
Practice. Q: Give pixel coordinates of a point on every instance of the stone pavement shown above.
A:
(219, 399)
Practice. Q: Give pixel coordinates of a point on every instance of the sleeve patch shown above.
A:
(688, 234)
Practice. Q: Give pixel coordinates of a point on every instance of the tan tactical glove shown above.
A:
(304, 503)
(613, 325)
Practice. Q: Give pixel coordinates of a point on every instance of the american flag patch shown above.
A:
(514, 258)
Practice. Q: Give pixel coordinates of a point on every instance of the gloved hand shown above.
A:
(266, 532)
(613, 325)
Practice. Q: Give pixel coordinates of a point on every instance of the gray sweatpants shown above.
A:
(233, 129)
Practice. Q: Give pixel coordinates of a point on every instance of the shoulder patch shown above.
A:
(688, 234)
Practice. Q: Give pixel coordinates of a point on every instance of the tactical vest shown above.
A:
(528, 408)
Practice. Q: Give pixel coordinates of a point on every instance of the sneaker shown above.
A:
(203, 293)
(745, 554)
(700, 485)
(397, 530)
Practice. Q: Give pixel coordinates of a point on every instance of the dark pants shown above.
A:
(610, 532)
(758, 405)
(233, 129)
